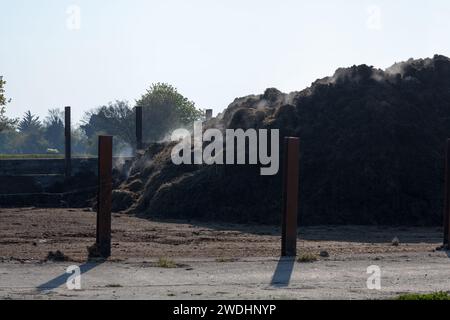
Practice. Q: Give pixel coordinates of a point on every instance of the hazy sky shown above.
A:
(211, 50)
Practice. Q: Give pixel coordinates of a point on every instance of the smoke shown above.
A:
(395, 69)
(361, 73)
(290, 98)
(169, 136)
(262, 105)
(122, 160)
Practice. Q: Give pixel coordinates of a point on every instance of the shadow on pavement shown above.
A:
(283, 272)
(62, 279)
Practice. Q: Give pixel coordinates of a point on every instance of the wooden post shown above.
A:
(68, 142)
(447, 196)
(290, 197)
(104, 195)
(209, 114)
(139, 144)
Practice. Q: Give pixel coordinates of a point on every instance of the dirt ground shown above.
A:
(29, 234)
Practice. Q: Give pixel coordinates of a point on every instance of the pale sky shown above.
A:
(211, 50)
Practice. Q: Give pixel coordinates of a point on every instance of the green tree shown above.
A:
(5, 122)
(31, 135)
(29, 123)
(8, 141)
(116, 119)
(80, 143)
(54, 129)
(164, 109)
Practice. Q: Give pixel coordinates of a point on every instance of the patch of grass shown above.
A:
(307, 258)
(431, 296)
(166, 263)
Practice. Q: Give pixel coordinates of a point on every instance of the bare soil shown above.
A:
(29, 234)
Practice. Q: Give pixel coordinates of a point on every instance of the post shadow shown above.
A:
(62, 279)
(283, 273)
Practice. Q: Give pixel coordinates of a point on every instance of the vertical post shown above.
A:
(290, 196)
(104, 195)
(447, 196)
(139, 145)
(68, 142)
(209, 114)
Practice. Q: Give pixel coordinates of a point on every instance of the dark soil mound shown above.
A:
(372, 145)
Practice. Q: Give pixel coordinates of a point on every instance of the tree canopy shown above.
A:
(117, 119)
(29, 123)
(165, 109)
(54, 129)
(5, 122)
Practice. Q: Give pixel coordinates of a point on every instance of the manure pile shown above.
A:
(372, 152)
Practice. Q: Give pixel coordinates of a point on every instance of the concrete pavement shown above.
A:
(244, 279)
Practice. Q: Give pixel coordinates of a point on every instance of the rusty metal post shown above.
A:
(139, 144)
(209, 114)
(290, 196)
(105, 144)
(447, 196)
(68, 142)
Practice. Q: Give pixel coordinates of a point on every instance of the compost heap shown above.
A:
(372, 152)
